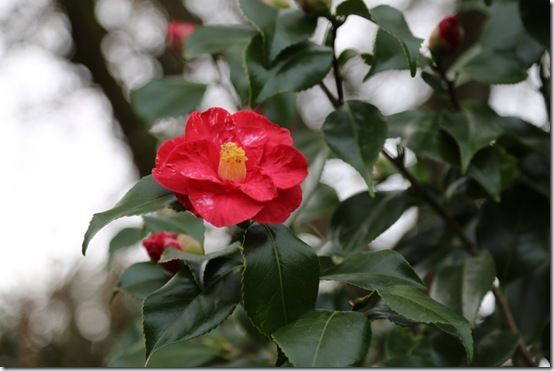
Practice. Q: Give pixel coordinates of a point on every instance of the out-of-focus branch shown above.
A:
(87, 37)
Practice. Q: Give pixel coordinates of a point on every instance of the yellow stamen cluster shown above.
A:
(232, 162)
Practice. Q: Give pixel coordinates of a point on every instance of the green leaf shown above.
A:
(474, 129)
(346, 55)
(125, 238)
(141, 279)
(463, 287)
(298, 68)
(535, 16)
(166, 97)
(281, 28)
(393, 40)
(525, 134)
(494, 349)
(400, 342)
(144, 197)
(354, 7)
(325, 339)
(413, 304)
(529, 300)
(280, 277)
(485, 169)
(516, 232)
(323, 202)
(176, 222)
(180, 311)
(421, 132)
(356, 132)
(360, 219)
(198, 264)
(504, 52)
(281, 109)
(374, 270)
(215, 39)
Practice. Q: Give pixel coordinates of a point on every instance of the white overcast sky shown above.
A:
(61, 162)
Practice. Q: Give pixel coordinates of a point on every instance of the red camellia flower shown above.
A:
(447, 36)
(231, 168)
(178, 32)
(158, 242)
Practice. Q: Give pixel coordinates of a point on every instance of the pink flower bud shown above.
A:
(446, 37)
(178, 32)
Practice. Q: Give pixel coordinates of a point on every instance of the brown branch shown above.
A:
(87, 37)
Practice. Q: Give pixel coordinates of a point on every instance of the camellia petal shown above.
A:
(221, 207)
(189, 160)
(285, 165)
(214, 124)
(166, 148)
(279, 209)
(255, 131)
(260, 187)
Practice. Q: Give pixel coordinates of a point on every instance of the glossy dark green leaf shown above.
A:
(356, 132)
(525, 134)
(141, 279)
(166, 97)
(504, 51)
(495, 67)
(529, 300)
(346, 55)
(298, 68)
(125, 238)
(174, 355)
(354, 7)
(325, 339)
(485, 169)
(373, 270)
(180, 311)
(421, 132)
(390, 45)
(323, 202)
(463, 287)
(516, 232)
(280, 277)
(215, 39)
(361, 218)
(279, 28)
(144, 197)
(176, 222)
(494, 349)
(198, 264)
(388, 54)
(476, 128)
(535, 16)
(281, 109)
(413, 304)
(400, 342)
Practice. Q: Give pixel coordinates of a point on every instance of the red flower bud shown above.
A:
(157, 243)
(446, 37)
(178, 32)
(315, 7)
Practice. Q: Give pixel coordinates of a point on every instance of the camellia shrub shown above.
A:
(480, 183)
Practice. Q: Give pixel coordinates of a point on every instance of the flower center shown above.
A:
(232, 162)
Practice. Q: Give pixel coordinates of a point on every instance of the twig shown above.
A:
(449, 84)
